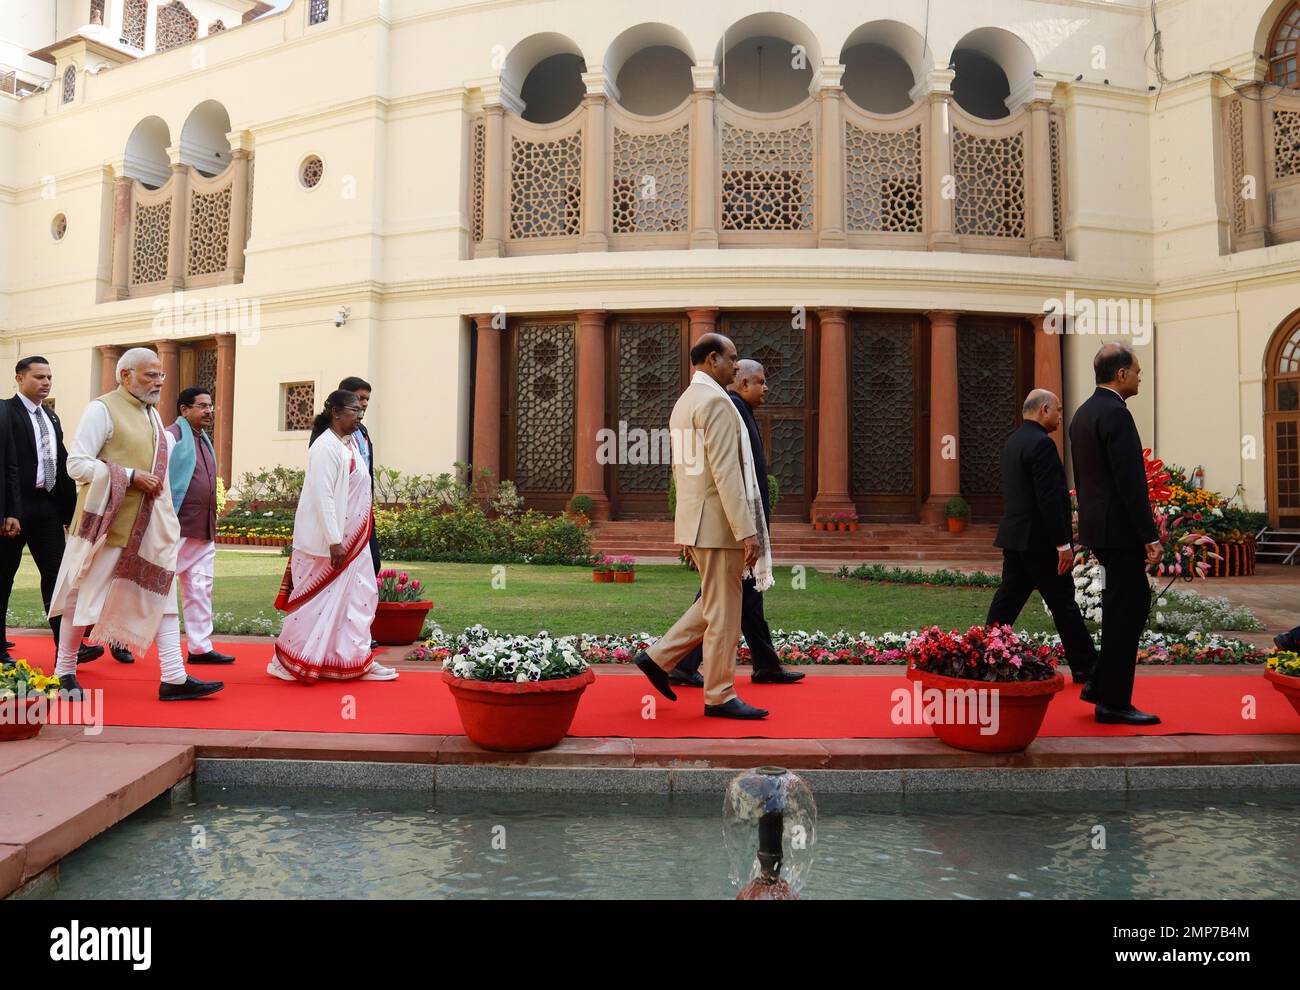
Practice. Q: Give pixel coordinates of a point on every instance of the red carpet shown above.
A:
(821, 707)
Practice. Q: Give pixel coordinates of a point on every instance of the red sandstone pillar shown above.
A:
(945, 461)
(589, 473)
(833, 415)
(486, 447)
(224, 426)
(169, 353)
(702, 321)
(1047, 370)
(108, 358)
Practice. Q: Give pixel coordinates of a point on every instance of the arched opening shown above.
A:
(545, 72)
(1283, 41)
(990, 64)
(203, 138)
(765, 62)
(1282, 424)
(650, 66)
(146, 152)
(882, 62)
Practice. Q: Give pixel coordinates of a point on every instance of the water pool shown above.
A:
(246, 842)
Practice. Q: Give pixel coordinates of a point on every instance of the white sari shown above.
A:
(326, 633)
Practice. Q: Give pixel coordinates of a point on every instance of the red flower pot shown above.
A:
(843, 527)
(853, 527)
(1288, 684)
(519, 716)
(956, 525)
(624, 577)
(12, 728)
(1020, 707)
(399, 623)
(602, 577)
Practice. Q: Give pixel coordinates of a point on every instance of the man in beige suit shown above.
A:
(716, 523)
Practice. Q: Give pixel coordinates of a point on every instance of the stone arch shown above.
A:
(993, 66)
(767, 62)
(884, 60)
(1282, 423)
(146, 156)
(544, 73)
(204, 144)
(649, 67)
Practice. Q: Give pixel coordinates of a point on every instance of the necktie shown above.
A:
(47, 452)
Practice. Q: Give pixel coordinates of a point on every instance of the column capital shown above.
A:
(829, 77)
(498, 95)
(588, 317)
(934, 85)
(1033, 90)
(487, 321)
(166, 346)
(225, 341)
(598, 86)
(833, 315)
(943, 317)
(240, 141)
(704, 77)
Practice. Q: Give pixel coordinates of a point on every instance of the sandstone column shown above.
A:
(1047, 369)
(589, 473)
(170, 354)
(702, 321)
(830, 181)
(833, 415)
(224, 427)
(595, 187)
(945, 462)
(108, 358)
(704, 160)
(939, 208)
(486, 447)
(121, 236)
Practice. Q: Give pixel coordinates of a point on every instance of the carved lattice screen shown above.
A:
(768, 178)
(69, 84)
(205, 374)
(649, 382)
(176, 27)
(1286, 143)
(134, 18)
(209, 231)
(987, 402)
(882, 406)
(478, 165)
(544, 407)
(1236, 165)
(150, 238)
(990, 174)
(1058, 209)
(299, 403)
(318, 12)
(882, 174)
(780, 348)
(546, 187)
(651, 181)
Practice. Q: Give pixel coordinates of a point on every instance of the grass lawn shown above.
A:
(563, 600)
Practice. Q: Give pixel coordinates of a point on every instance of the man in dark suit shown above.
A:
(1115, 521)
(43, 496)
(365, 447)
(1035, 533)
(747, 392)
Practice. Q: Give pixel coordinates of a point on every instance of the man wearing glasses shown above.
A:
(192, 475)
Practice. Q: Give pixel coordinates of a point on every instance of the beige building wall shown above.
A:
(383, 91)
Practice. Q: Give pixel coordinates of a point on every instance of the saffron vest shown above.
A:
(132, 445)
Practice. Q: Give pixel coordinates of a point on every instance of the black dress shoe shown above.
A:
(374, 644)
(192, 688)
(778, 676)
(735, 708)
(658, 676)
(212, 656)
(1079, 677)
(1125, 716)
(686, 678)
(68, 684)
(9, 645)
(89, 652)
(1088, 696)
(122, 655)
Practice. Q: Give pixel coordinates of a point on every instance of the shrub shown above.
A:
(957, 508)
(582, 505)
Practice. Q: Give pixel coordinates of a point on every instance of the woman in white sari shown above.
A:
(329, 589)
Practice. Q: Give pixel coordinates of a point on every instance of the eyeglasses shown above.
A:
(154, 376)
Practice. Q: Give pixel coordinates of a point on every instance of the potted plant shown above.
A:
(25, 695)
(402, 608)
(984, 691)
(1284, 673)
(851, 518)
(602, 569)
(517, 693)
(957, 512)
(625, 570)
(581, 505)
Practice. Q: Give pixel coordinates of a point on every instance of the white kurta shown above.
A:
(95, 430)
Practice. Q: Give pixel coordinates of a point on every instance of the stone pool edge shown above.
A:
(683, 780)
